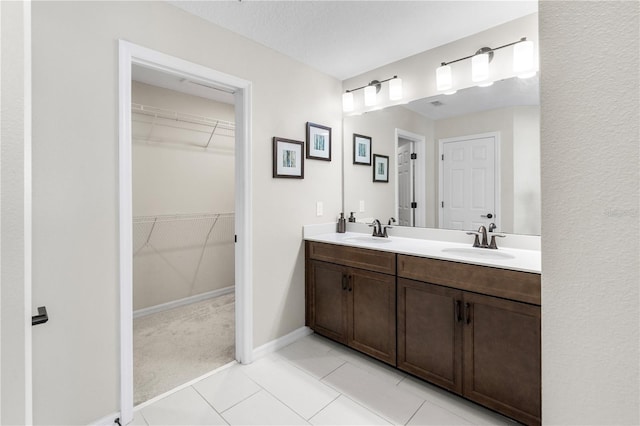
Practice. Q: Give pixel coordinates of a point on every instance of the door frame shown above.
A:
(497, 187)
(130, 54)
(420, 148)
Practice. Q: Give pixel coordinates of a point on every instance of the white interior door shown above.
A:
(405, 183)
(468, 183)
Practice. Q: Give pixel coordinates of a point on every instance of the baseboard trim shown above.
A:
(281, 342)
(181, 302)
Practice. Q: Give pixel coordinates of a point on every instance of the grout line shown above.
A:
(324, 408)
(416, 412)
(209, 404)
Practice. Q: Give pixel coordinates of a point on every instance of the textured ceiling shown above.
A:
(348, 38)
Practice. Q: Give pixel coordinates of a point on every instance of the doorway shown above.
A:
(469, 182)
(183, 143)
(410, 191)
(130, 55)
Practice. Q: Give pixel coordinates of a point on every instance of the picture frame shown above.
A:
(288, 158)
(380, 168)
(318, 142)
(361, 149)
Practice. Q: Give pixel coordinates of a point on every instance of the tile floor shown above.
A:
(313, 381)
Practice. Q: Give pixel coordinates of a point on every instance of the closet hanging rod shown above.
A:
(155, 112)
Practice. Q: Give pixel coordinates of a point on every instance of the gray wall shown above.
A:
(590, 212)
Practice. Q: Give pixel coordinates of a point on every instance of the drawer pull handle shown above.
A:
(350, 282)
(467, 308)
(344, 282)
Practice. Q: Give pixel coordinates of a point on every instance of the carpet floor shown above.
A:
(175, 346)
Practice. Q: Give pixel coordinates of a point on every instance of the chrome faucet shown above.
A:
(482, 231)
(378, 230)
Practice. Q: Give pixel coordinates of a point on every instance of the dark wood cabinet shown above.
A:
(353, 306)
(429, 333)
(483, 347)
(502, 356)
(473, 330)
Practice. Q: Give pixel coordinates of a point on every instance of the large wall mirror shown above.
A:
(476, 160)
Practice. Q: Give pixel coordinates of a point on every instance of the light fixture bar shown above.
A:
(487, 49)
(370, 92)
(373, 83)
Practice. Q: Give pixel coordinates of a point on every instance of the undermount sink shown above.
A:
(367, 239)
(479, 253)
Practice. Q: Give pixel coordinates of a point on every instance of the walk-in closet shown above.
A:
(183, 231)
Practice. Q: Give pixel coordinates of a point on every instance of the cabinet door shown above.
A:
(502, 356)
(328, 294)
(372, 318)
(430, 332)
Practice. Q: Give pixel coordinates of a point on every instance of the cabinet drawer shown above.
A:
(514, 285)
(371, 260)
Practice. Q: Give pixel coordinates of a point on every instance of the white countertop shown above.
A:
(522, 260)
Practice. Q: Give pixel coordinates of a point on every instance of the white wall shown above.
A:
(379, 197)
(519, 161)
(15, 354)
(590, 212)
(175, 259)
(75, 84)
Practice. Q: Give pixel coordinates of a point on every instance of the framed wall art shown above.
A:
(288, 158)
(318, 142)
(380, 168)
(361, 149)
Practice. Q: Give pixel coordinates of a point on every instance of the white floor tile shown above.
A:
(226, 388)
(431, 414)
(262, 409)
(185, 407)
(295, 388)
(311, 354)
(394, 404)
(344, 411)
(373, 366)
(472, 412)
(138, 419)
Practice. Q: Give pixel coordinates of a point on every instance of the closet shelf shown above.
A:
(152, 124)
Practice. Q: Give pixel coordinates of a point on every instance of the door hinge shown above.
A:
(442, 157)
(414, 156)
(414, 205)
(235, 238)
(442, 204)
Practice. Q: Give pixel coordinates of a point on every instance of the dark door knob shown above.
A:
(488, 215)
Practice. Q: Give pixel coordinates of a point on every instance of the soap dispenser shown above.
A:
(352, 218)
(342, 224)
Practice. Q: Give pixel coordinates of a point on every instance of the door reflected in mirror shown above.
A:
(456, 162)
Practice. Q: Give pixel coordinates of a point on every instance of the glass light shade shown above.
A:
(347, 102)
(480, 67)
(444, 80)
(523, 65)
(370, 95)
(395, 89)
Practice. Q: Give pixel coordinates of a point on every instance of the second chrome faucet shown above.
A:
(482, 232)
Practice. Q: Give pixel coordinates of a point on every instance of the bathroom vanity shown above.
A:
(466, 321)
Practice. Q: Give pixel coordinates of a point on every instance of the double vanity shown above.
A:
(466, 319)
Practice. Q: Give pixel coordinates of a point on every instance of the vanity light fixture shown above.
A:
(523, 65)
(370, 93)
